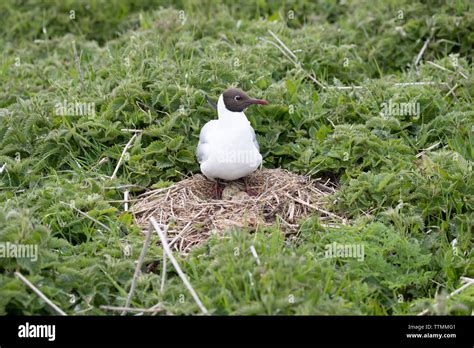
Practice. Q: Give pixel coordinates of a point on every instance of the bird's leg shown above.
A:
(248, 189)
(218, 190)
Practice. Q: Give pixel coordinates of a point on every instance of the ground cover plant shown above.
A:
(76, 77)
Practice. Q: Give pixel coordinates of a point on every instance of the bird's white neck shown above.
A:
(229, 117)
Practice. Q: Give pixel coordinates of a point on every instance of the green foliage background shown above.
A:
(148, 64)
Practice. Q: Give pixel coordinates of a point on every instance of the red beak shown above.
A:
(258, 101)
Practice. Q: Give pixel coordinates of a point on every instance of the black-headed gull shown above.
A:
(228, 148)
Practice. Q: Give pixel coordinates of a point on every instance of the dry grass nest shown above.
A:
(191, 213)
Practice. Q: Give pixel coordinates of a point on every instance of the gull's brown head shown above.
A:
(237, 100)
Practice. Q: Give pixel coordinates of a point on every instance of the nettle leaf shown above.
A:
(274, 17)
(118, 104)
(154, 131)
(263, 82)
(99, 212)
(125, 218)
(163, 162)
(383, 181)
(323, 132)
(156, 147)
(296, 119)
(290, 87)
(185, 156)
(282, 150)
(175, 143)
(306, 155)
(162, 184)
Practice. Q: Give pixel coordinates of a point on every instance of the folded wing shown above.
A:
(254, 139)
(203, 148)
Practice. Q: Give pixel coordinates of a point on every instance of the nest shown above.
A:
(191, 212)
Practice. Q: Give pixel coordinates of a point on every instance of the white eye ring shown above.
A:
(237, 98)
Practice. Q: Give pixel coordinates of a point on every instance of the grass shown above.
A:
(148, 65)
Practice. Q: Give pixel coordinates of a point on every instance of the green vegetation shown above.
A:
(147, 65)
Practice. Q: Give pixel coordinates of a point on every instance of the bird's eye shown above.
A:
(237, 97)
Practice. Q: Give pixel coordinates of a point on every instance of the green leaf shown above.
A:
(385, 180)
(156, 147)
(274, 17)
(175, 143)
(323, 132)
(185, 156)
(290, 87)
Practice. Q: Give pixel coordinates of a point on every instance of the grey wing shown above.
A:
(254, 138)
(202, 151)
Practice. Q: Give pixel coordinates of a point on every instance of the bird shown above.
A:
(228, 148)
